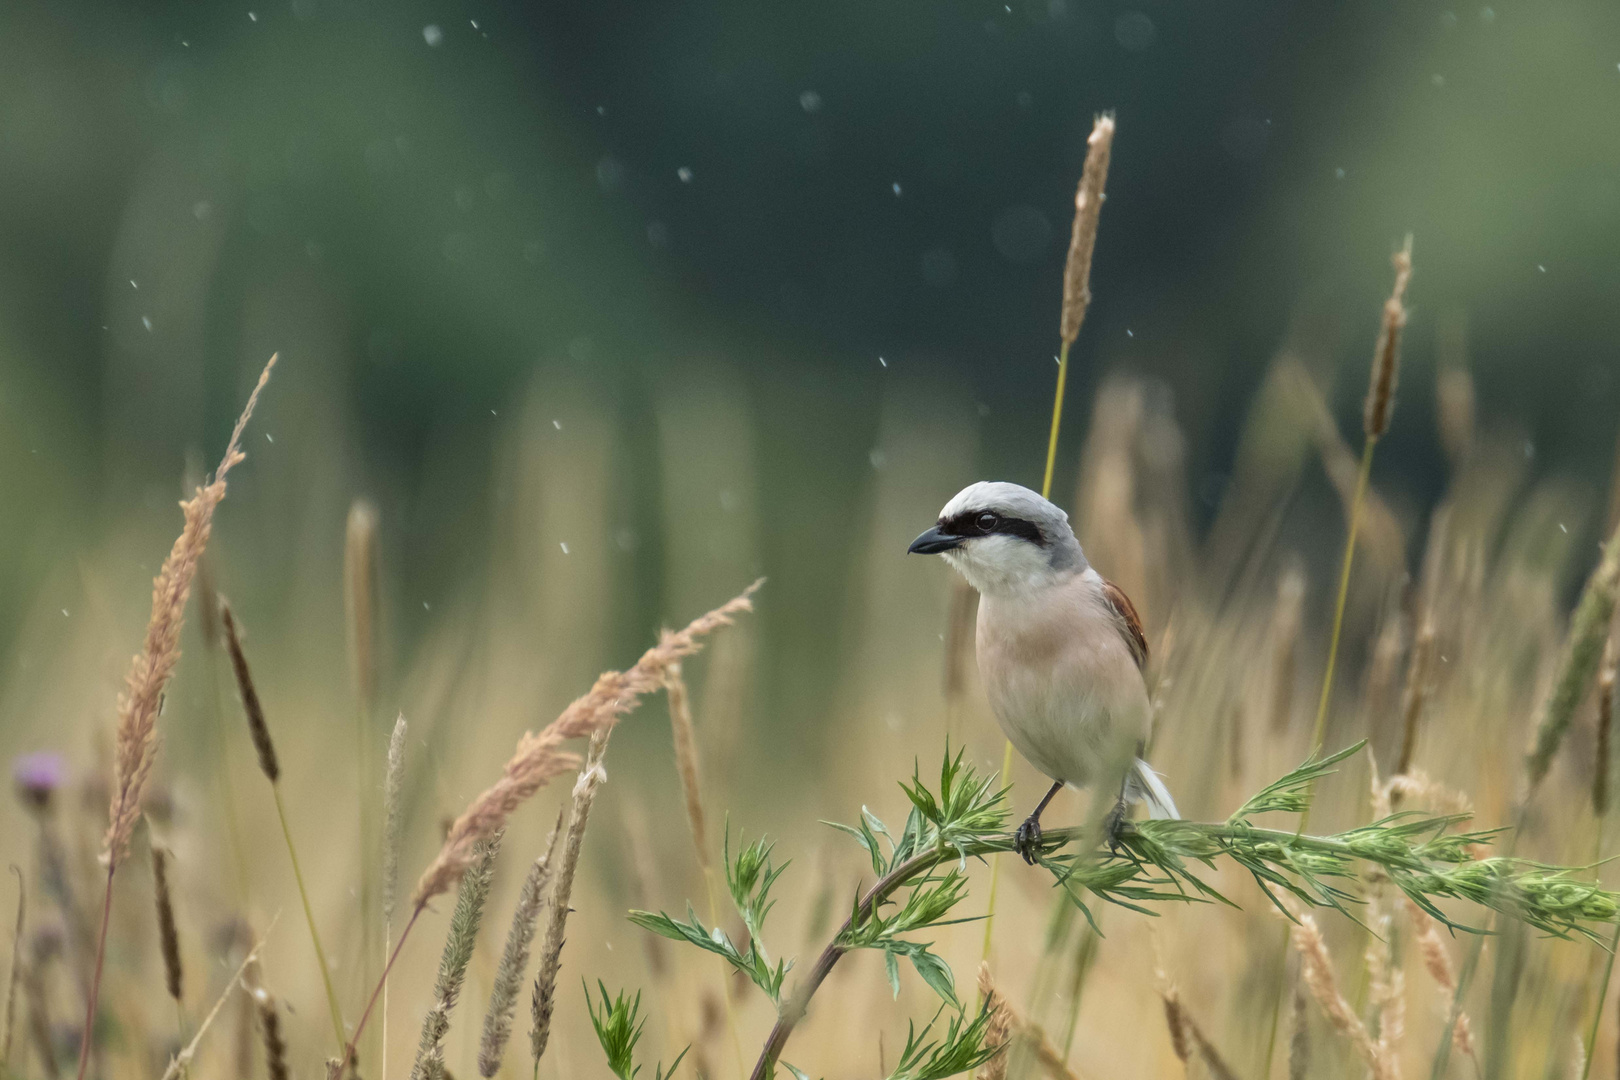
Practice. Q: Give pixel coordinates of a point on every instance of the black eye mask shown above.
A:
(972, 523)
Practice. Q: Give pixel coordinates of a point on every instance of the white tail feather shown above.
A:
(1144, 786)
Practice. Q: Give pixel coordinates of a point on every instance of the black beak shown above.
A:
(933, 542)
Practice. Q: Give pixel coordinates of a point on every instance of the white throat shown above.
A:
(1004, 566)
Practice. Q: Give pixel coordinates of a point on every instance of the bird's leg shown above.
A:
(1116, 818)
(1027, 840)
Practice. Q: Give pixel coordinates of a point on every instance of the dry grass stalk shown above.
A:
(1583, 649)
(1088, 200)
(515, 958)
(1021, 1029)
(1387, 992)
(1437, 961)
(1316, 969)
(1605, 726)
(1186, 1037)
(182, 1061)
(458, 950)
(1299, 1040)
(275, 1047)
(135, 737)
(999, 1030)
(540, 756)
(1577, 1063)
(1285, 643)
(1387, 357)
(393, 819)
(1416, 694)
(258, 729)
(168, 933)
(149, 672)
(686, 759)
(1454, 391)
(16, 974)
(591, 777)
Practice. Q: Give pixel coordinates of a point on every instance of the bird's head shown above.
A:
(1003, 539)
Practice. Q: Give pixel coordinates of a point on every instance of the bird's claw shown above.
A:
(1027, 840)
(1113, 825)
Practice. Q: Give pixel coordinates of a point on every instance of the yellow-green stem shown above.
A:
(1319, 731)
(1046, 493)
(309, 917)
(1608, 959)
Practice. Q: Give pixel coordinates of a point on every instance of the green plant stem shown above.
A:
(1608, 960)
(1319, 729)
(309, 917)
(1046, 493)
(1224, 833)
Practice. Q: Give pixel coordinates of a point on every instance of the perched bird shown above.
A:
(1060, 648)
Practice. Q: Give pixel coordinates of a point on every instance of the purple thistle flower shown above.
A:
(37, 777)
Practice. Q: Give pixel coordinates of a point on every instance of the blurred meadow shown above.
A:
(589, 317)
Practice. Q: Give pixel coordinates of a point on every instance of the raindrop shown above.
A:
(882, 361)
(267, 438)
(1129, 333)
(432, 34)
(877, 458)
(1438, 79)
(564, 546)
(65, 614)
(1487, 15)
(132, 284)
(685, 174)
(810, 101)
(1021, 233)
(557, 424)
(146, 322)
(1542, 268)
(895, 187)
(253, 16)
(1339, 173)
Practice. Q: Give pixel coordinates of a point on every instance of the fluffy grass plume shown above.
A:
(515, 958)
(544, 1000)
(1583, 650)
(259, 729)
(1386, 369)
(1317, 971)
(458, 950)
(684, 734)
(275, 1047)
(540, 756)
(168, 932)
(149, 672)
(1088, 200)
(135, 736)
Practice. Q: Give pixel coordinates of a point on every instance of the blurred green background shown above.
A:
(457, 221)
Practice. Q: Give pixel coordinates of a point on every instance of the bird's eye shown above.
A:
(987, 521)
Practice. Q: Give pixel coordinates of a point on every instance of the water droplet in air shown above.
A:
(882, 361)
(895, 187)
(253, 16)
(685, 174)
(432, 34)
(564, 547)
(1338, 174)
(146, 322)
(557, 424)
(810, 101)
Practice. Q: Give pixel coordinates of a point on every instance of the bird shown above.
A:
(1060, 648)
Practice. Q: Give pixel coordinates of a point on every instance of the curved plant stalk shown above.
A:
(1154, 863)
